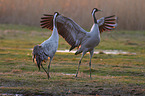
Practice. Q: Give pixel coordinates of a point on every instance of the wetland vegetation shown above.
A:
(112, 74)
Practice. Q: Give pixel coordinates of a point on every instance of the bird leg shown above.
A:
(80, 63)
(49, 67)
(44, 70)
(91, 54)
(78, 68)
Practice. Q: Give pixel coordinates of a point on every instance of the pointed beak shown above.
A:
(100, 10)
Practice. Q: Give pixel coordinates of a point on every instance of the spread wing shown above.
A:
(107, 23)
(47, 21)
(67, 28)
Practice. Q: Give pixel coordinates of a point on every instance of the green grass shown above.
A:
(111, 74)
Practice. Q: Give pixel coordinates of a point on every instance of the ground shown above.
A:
(120, 74)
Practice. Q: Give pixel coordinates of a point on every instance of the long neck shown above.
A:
(93, 14)
(54, 33)
(95, 28)
(54, 21)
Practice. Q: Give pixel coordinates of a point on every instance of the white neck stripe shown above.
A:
(93, 11)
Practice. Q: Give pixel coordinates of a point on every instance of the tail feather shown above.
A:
(39, 60)
(39, 55)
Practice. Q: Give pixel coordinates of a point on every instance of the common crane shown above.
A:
(47, 48)
(77, 36)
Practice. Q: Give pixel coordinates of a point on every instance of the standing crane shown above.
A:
(76, 36)
(47, 48)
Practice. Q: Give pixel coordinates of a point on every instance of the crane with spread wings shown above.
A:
(76, 36)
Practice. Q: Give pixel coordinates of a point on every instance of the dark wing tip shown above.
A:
(72, 47)
(47, 21)
(110, 16)
(47, 15)
(110, 23)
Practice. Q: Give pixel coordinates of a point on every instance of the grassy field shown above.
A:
(122, 74)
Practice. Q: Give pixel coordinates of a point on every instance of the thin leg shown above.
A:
(80, 63)
(44, 69)
(91, 54)
(49, 68)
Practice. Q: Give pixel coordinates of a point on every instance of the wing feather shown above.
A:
(47, 21)
(110, 16)
(107, 23)
(67, 28)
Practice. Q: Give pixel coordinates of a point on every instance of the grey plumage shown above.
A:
(77, 36)
(47, 48)
(39, 54)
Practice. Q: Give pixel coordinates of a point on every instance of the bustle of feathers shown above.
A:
(39, 55)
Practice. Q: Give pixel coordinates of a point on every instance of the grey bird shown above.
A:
(47, 48)
(76, 36)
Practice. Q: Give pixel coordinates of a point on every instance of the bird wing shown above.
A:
(67, 28)
(107, 23)
(47, 21)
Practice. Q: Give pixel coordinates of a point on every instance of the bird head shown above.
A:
(95, 10)
(54, 18)
(56, 13)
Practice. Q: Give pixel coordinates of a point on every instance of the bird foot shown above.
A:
(48, 76)
(76, 76)
(90, 77)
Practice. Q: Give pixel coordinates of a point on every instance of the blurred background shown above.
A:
(131, 13)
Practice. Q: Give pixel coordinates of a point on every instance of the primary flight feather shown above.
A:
(76, 36)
